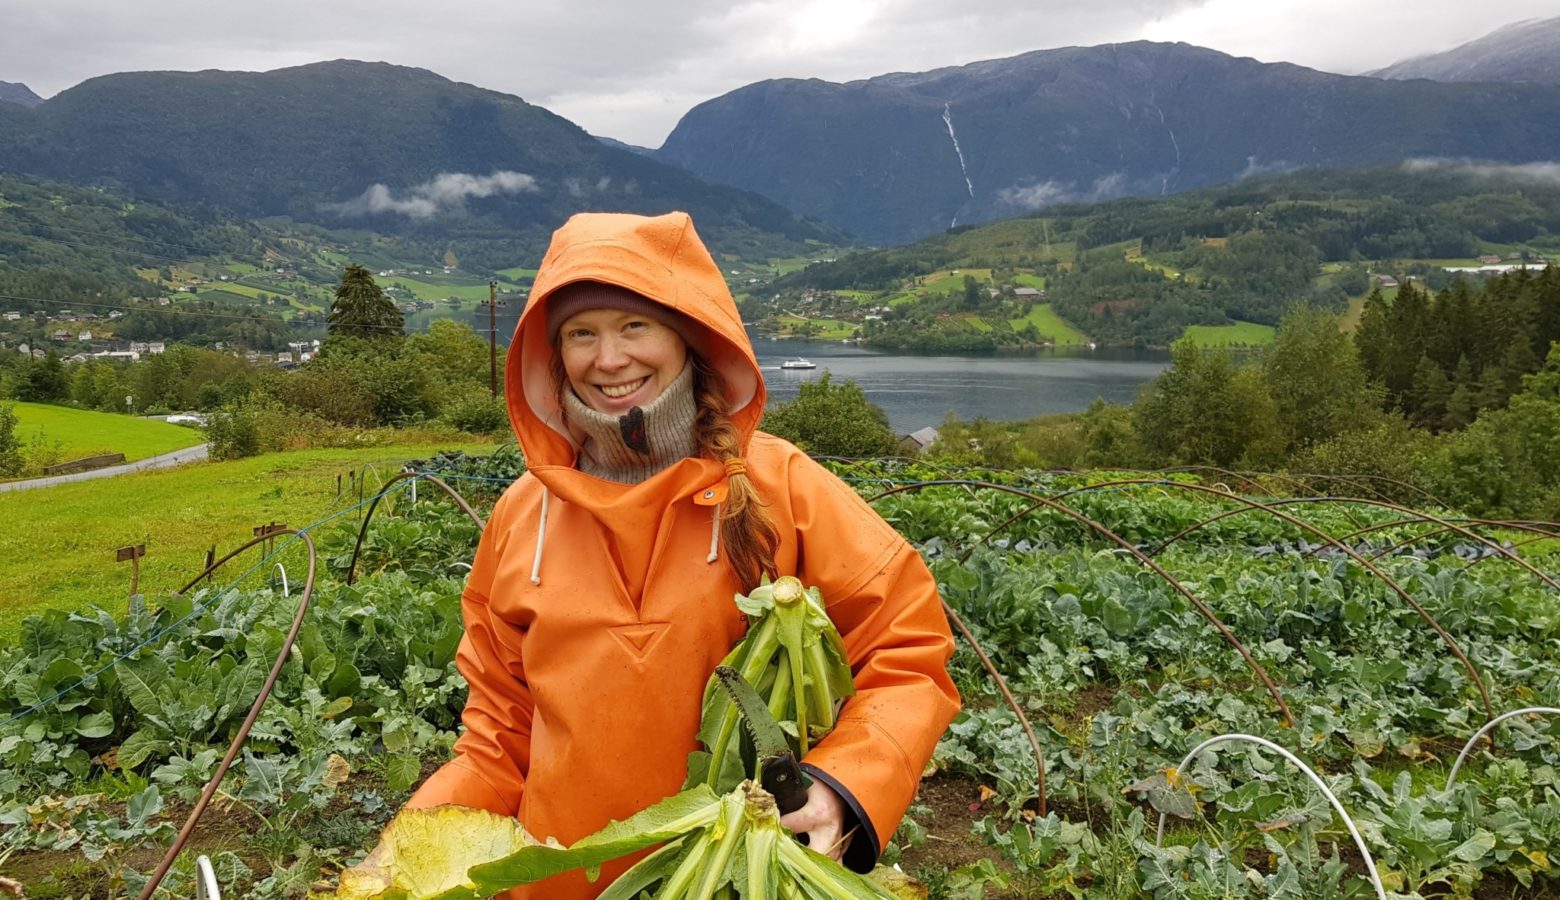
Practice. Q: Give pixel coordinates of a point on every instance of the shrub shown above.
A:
(478, 413)
(233, 431)
(10, 445)
(832, 420)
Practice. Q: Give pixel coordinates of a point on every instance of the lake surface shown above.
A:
(917, 391)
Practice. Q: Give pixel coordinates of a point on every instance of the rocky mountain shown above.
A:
(1522, 52)
(899, 156)
(21, 94)
(355, 144)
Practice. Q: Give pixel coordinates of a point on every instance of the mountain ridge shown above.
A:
(1526, 52)
(902, 155)
(18, 93)
(348, 143)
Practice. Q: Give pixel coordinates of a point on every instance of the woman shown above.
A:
(600, 599)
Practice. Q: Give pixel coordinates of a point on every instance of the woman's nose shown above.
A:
(611, 354)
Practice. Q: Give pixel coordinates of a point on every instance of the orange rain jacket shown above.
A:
(596, 611)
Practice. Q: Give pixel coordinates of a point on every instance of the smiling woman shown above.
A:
(600, 598)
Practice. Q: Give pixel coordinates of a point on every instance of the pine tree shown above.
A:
(1460, 406)
(1372, 336)
(361, 309)
(1431, 391)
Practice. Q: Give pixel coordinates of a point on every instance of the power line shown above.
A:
(170, 311)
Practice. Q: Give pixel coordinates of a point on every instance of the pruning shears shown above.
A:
(779, 772)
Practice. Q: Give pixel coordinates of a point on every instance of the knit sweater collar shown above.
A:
(668, 434)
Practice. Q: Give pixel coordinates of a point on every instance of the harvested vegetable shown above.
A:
(795, 658)
(713, 846)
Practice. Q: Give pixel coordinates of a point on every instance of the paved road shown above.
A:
(177, 457)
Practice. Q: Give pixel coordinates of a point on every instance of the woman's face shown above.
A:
(618, 360)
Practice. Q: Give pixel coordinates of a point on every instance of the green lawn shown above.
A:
(833, 329)
(1028, 279)
(1240, 334)
(81, 432)
(516, 274)
(60, 542)
(426, 288)
(1048, 323)
(953, 280)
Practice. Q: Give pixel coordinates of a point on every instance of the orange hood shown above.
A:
(659, 257)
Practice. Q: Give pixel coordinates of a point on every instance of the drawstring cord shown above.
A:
(541, 538)
(733, 466)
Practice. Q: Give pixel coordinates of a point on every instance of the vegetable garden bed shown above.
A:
(111, 725)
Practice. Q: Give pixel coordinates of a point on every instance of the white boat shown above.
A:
(798, 363)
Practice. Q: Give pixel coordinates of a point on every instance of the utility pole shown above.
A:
(493, 338)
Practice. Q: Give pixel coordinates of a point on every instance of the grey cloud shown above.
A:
(447, 191)
(1255, 168)
(1050, 193)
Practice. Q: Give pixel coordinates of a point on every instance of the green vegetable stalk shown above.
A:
(714, 847)
(794, 656)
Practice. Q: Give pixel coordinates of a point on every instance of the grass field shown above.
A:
(60, 542)
(428, 289)
(945, 282)
(1028, 279)
(81, 432)
(1241, 334)
(1048, 323)
(516, 274)
(833, 329)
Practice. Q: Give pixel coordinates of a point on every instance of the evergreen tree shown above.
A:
(361, 309)
(1372, 336)
(1407, 322)
(1461, 406)
(1431, 391)
(46, 381)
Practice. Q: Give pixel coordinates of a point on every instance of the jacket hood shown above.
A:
(660, 258)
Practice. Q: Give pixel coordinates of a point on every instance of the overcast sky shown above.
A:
(629, 69)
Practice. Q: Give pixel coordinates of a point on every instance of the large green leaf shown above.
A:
(142, 679)
(672, 817)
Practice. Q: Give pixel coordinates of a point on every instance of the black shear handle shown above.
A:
(785, 780)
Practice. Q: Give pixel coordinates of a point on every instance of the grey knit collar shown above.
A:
(668, 428)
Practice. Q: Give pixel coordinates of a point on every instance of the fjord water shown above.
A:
(920, 390)
(917, 391)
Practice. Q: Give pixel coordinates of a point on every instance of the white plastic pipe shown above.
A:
(286, 591)
(1451, 777)
(1359, 842)
(205, 880)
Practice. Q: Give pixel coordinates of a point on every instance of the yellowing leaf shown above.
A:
(425, 853)
(336, 771)
(897, 883)
(1538, 857)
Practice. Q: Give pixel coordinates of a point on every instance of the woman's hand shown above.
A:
(822, 819)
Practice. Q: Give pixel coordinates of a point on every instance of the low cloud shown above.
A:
(1050, 193)
(1542, 172)
(445, 192)
(1255, 168)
